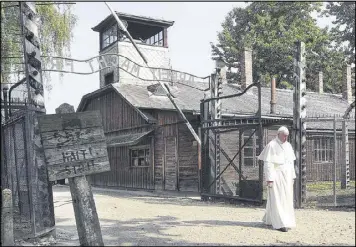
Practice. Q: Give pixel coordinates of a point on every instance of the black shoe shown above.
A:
(283, 229)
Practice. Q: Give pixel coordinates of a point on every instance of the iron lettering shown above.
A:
(139, 71)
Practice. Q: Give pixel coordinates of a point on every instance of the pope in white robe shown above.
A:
(278, 157)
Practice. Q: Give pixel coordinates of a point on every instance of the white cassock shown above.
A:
(278, 161)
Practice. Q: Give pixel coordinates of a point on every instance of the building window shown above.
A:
(156, 40)
(323, 150)
(109, 78)
(249, 151)
(140, 157)
(109, 36)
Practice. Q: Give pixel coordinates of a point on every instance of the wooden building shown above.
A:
(150, 147)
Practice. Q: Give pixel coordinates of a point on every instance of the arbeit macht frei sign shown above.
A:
(95, 64)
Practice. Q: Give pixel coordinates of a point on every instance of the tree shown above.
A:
(56, 22)
(271, 29)
(344, 30)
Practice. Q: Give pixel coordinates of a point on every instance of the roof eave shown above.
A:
(125, 16)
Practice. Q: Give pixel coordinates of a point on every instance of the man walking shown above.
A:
(278, 157)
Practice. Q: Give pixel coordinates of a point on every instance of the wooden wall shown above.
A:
(323, 171)
(169, 135)
(173, 150)
(122, 174)
(119, 118)
(116, 112)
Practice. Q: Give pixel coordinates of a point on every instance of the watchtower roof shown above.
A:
(109, 20)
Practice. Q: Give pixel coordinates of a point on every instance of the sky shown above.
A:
(196, 25)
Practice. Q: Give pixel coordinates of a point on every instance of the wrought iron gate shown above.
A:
(230, 146)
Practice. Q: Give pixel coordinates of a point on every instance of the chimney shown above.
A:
(246, 68)
(321, 82)
(273, 95)
(346, 84)
(223, 75)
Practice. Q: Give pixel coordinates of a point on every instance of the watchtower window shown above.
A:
(156, 39)
(146, 34)
(109, 36)
(109, 78)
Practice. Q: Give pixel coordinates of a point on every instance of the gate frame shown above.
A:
(217, 125)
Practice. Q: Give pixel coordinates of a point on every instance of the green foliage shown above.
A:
(56, 22)
(271, 29)
(344, 30)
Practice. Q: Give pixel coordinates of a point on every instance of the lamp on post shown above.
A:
(219, 64)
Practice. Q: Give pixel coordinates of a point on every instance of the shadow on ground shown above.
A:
(151, 231)
(166, 197)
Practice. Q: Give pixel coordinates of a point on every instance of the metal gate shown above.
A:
(330, 162)
(230, 146)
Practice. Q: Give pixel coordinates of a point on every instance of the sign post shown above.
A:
(74, 146)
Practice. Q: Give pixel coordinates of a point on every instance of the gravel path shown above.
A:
(140, 218)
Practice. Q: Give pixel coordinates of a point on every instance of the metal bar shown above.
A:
(230, 126)
(196, 137)
(245, 125)
(230, 119)
(232, 163)
(348, 110)
(253, 118)
(334, 163)
(12, 88)
(238, 152)
(325, 119)
(240, 157)
(199, 162)
(260, 141)
(231, 95)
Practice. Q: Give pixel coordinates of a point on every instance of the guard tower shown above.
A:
(151, 35)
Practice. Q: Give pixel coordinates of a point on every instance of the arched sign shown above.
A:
(110, 60)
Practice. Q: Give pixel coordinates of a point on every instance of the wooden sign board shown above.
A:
(74, 144)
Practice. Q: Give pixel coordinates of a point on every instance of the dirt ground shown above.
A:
(130, 218)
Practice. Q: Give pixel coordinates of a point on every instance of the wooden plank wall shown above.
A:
(122, 174)
(317, 171)
(188, 159)
(121, 117)
(116, 112)
(187, 151)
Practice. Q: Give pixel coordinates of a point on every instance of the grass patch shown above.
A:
(327, 185)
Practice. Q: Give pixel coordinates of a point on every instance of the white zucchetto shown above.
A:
(283, 130)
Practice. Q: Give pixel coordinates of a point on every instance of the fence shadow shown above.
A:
(168, 198)
(145, 232)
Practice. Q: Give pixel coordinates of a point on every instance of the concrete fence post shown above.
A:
(7, 224)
